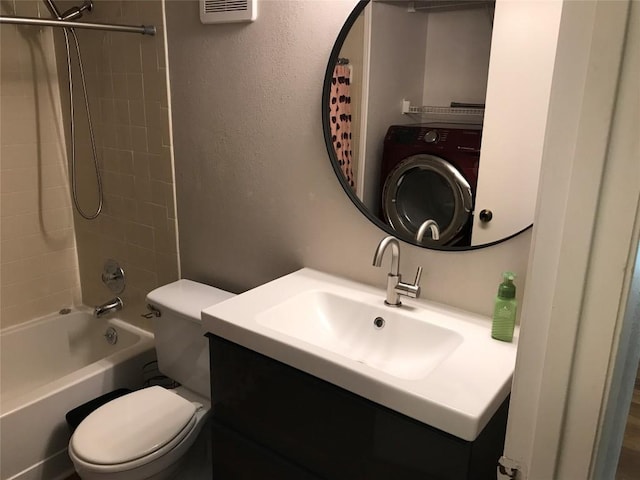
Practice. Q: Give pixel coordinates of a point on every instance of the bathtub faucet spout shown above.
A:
(112, 305)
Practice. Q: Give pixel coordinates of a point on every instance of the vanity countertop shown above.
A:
(431, 362)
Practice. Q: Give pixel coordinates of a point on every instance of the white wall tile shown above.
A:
(125, 74)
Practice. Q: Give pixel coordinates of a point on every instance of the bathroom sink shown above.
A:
(433, 363)
(378, 336)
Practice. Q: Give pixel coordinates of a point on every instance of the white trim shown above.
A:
(55, 467)
(583, 93)
(364, 102)
(174, 196)
(622, 378)
(611, 264)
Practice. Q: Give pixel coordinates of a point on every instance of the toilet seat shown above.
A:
(133, 431)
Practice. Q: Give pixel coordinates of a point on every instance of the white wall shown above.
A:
(257, 197)
(38, 249)
(457, 56)
(398, 52)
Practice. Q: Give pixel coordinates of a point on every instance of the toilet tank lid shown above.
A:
(187, 297)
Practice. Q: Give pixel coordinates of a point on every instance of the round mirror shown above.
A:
(403, 116)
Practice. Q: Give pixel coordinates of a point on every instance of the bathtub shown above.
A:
(49, 366)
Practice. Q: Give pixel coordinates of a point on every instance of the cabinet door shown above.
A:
(326, 430)
(237, 458)
(295, 415)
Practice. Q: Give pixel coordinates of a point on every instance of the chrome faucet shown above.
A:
(112, 305)
(431, 225)
(395, 285)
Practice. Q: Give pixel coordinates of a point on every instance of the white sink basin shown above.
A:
(433, 363)
(403, 347)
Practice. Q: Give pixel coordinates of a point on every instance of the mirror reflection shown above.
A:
(405, 98)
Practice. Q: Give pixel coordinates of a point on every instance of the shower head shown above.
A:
(72, 14)
(53, 9)
(76, 12)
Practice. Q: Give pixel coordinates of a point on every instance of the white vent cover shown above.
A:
(228, 11)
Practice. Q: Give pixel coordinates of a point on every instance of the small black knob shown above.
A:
(486, 216)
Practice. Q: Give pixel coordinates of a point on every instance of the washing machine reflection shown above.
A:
(429, 174)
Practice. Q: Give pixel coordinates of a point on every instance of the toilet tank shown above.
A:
(181, 347)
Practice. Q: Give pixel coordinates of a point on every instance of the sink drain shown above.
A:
(378, 322)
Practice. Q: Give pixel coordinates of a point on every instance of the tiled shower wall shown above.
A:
(39, 272)
(126, 81)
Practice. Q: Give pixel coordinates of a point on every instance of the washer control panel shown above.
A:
(433, 136)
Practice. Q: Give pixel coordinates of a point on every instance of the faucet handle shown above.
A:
(418, 275)
(410, 290)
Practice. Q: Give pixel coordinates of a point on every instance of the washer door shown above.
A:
(424, 187)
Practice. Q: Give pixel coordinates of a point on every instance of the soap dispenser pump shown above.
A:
(504, 313)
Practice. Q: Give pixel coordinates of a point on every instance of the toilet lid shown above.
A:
(131, 426)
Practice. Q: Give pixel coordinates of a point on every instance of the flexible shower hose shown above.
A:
(74, 191)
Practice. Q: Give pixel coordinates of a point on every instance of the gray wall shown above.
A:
(256, 195)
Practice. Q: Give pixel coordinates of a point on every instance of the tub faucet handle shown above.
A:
(113, 276)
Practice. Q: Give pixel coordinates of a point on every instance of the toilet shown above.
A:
(144, 434)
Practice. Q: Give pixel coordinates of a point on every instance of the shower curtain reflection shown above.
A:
(341, 119)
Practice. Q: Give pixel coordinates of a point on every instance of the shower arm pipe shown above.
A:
(42, 22)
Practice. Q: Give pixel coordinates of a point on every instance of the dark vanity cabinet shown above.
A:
(272, 421)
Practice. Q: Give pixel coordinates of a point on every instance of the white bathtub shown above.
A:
(49, 366)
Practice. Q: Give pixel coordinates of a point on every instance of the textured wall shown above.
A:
(38, 253)
(126, 80)
(256, 195)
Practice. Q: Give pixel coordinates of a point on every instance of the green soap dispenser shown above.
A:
(504, 312)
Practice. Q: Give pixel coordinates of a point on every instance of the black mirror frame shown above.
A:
(326, 94)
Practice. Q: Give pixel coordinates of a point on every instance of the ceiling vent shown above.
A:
(228, 11)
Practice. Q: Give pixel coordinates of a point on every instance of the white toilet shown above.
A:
(143, 435)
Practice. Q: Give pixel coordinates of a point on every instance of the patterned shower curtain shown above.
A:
(341, 119)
